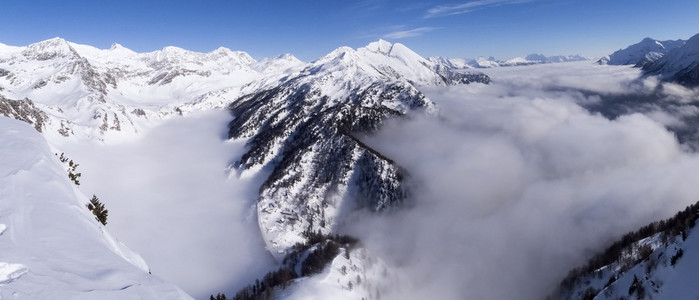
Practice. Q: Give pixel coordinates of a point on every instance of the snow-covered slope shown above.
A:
(680, 65)
(659, 261)
(51, 246)
(646, 51)
(304, 132)
(97, 94)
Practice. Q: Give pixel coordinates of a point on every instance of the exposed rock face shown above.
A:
(24, 110)
(303, 131)
(307, 138)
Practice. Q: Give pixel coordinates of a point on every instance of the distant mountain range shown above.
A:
(646, 51)
(674, 61)
(681, 65)
(491, 62)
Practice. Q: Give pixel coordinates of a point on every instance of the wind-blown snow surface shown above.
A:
(517, 183)
(45, 223)
(171, 199)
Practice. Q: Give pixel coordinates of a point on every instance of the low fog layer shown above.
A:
(515, 183)
(170, 199)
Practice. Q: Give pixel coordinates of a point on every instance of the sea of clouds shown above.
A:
(517, 182)
(512, 184)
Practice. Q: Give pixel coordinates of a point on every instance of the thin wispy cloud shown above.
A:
(447, 10)
(413, 6)
(401, 34)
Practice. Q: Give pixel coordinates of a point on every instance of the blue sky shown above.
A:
(310, 29)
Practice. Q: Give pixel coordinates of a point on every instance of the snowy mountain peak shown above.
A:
(170, 53)
(280, 64)
(646, 51)
(116, 46)
(293, 127)
(121, 51)
(380, 46)
(680, 65)
(223, 52)
(396, 50)
(288, 57)
(50, 49)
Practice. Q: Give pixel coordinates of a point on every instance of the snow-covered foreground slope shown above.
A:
(171, 199)
(51, 246)
(659, 261)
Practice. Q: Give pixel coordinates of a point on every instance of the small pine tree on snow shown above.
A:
(97, 208)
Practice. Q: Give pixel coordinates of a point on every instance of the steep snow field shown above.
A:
(45, 223)
(171, 200)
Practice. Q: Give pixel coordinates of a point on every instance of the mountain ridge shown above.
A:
(644, 52)
(680, 65)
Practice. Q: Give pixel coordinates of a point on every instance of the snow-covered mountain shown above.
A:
(51, 245)
(94, 93)
(492, 62)
(304, 130)
(680, 65)
(646, 51)
(542, 59)
(659, 261)
(301, 122)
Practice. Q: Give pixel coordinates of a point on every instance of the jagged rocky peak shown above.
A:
(50, 49)
(304, 131)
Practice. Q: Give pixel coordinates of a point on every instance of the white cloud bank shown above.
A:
(515, 183)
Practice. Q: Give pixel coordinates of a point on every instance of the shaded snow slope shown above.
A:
(659, 261)
(52, 246)
(680, 65)
(646, 51)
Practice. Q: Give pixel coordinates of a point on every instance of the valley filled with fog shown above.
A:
(511, 185)
(171, 197)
